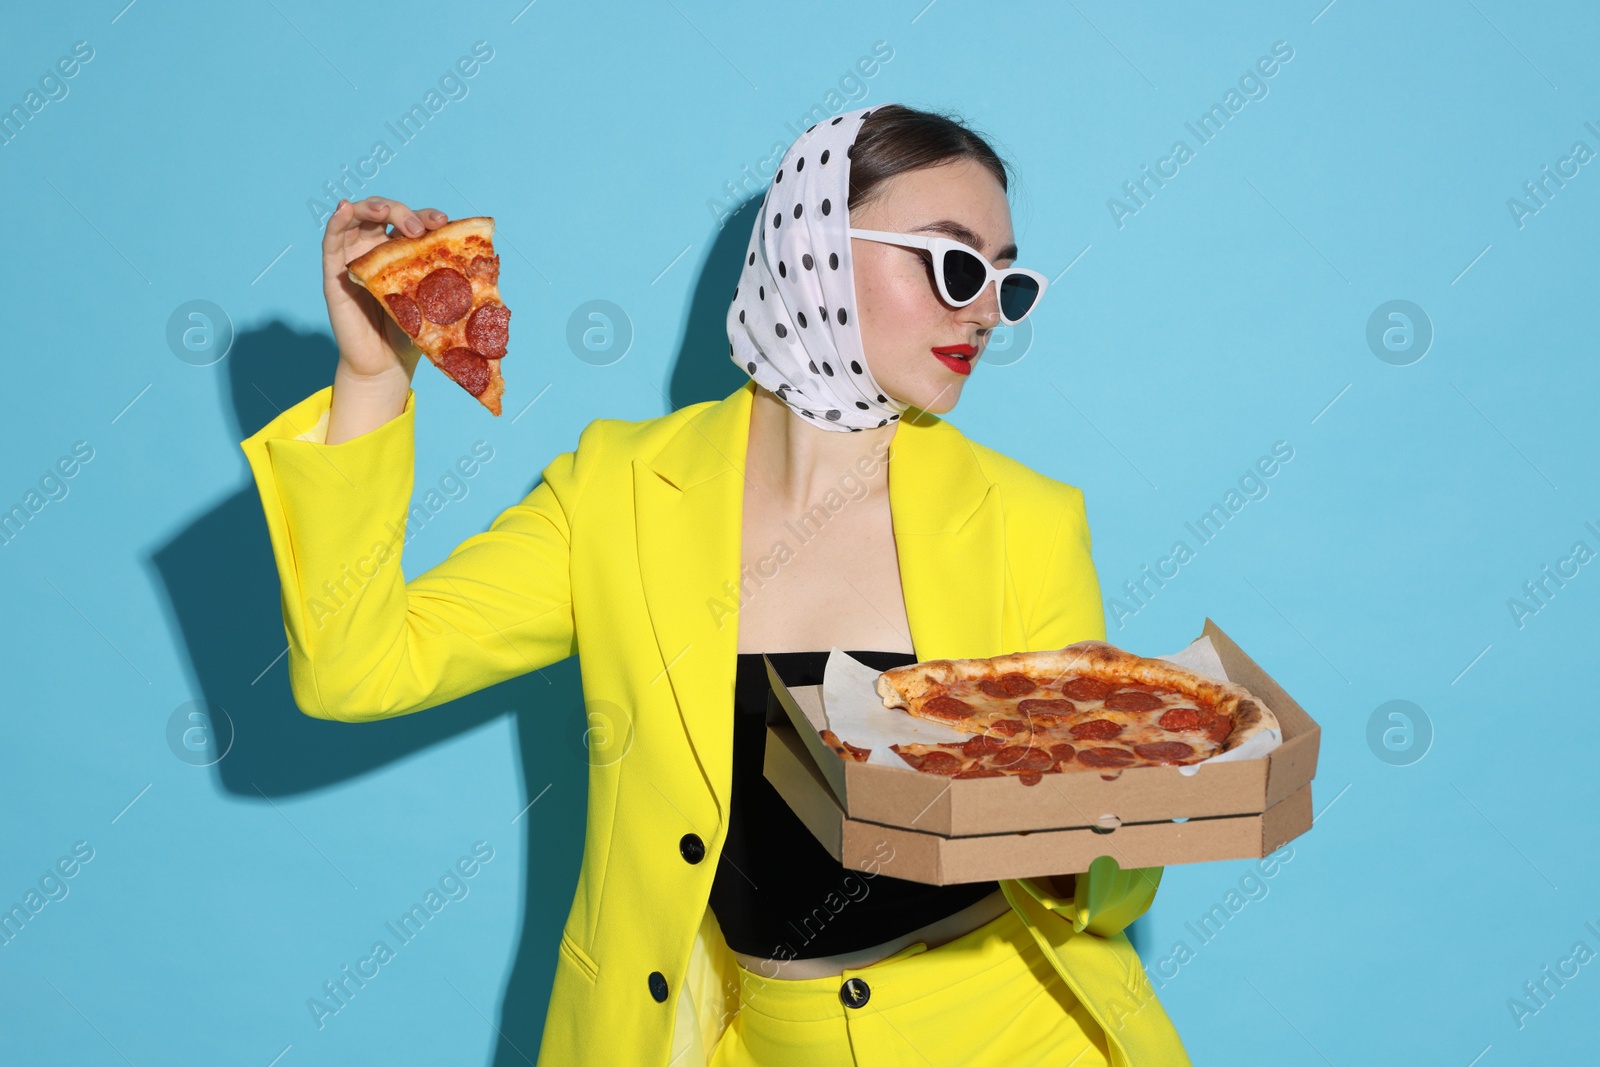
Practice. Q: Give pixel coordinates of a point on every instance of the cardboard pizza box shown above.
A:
(944, 831)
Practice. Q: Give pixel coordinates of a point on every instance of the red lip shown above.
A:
(956, 358)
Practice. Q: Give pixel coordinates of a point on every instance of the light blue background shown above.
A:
(1227, 314)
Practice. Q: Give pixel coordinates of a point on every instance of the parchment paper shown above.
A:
(855, 712)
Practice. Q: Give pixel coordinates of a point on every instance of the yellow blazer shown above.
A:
(629, 549)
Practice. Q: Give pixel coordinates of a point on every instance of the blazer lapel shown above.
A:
(688, 515)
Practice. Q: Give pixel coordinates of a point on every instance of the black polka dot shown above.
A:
(800, 164)
(806, 261)
(836, 121)
(823, 312)
(850, 153)
(779, 178)
(811, 127)
(741, 315)
(807, 414)
(833, 413)
(826, 369)
(752, 259)
(864, 115)
(855, 366)
(761, 291)
(827, 206)
(751, 367)
(783, 271)
(833, 260)
(801, 316)
(736, 292)
(882, 399)
(824, 158)
(797, 211)
(813, 365)
(862, 404)
(783, 331)
(843, 318)
(883, 422)
(893, 417)
(777, 220)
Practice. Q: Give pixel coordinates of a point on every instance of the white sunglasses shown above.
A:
(963, 274)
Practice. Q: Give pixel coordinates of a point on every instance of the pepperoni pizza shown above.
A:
(442, 289)
(1087, 706)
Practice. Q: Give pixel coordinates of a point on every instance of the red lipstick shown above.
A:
(952, 357)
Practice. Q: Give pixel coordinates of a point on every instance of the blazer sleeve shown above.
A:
(1067, 607)
(364, 643)
(1105, 898)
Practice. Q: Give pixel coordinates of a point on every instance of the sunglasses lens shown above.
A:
(1017, 296)
(964, 274)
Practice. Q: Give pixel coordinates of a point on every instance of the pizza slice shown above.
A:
(1089, 705)
(443, 290)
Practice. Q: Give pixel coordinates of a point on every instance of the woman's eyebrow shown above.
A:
(951, 228)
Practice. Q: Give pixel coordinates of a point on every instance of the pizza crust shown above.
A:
(401, 250)
(907, 687)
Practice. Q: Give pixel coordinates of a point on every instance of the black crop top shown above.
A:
(777, 893)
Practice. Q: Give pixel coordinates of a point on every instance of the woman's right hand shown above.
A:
(371, 346)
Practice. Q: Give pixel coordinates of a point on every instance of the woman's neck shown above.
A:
(793, 461)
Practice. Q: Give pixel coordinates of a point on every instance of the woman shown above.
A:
(708, 926)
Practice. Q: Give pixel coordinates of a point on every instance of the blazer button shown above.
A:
(658, 986)
(692, 848)
(854, 993)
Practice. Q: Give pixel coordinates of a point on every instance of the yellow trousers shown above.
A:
(986, 999)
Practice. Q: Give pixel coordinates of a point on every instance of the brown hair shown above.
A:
(894, 139)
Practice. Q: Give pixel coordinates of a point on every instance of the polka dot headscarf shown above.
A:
(793, 325)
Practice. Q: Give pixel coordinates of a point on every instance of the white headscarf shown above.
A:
(792, 325)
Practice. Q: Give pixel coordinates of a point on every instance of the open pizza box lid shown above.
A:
(945, 830)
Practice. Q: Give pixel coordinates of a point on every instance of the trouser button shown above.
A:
(658, 986)
(854, 993)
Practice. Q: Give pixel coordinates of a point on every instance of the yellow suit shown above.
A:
(630, 550)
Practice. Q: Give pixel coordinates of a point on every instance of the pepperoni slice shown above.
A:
(979, 772)
(938, 762)
(1008, 727)
(405, 312)
(485, 268)
(487, 330)
(1096, 730)
(1106, 757)
(1049, 706)
(1133, 700)
(1062, 751)
(947, 707)
(1031, 778)
(1022, 758)
(1008, 686)
(1087, 689)
(1164, 751)
(444, 295)
(982, 745)
(1181, 719)
(910, 757)
(466, 367)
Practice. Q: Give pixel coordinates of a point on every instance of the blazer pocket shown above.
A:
(579, 957)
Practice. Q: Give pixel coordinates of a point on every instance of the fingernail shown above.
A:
(413, 225)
